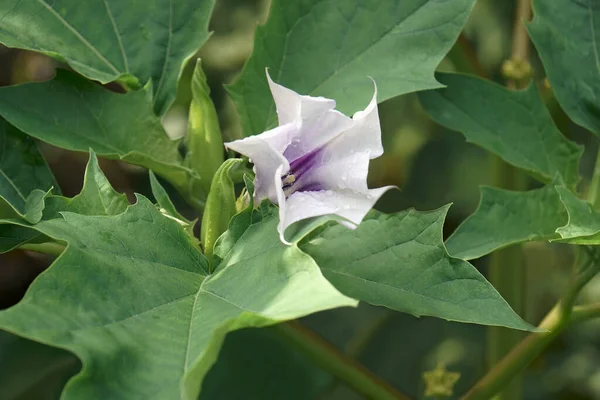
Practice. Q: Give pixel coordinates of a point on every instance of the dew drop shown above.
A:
(328, 193)
(344, 177)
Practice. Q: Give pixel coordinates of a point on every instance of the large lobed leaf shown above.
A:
(106, 40)
(97, 197)
(131, 298)
(22, 168)
(24, 180)
(583, 225)
(505, 217)
(328, 48)
(399, 261)
(76, 114)
(566, 34)
(515, 125)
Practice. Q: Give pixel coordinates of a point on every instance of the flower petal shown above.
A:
(365, 134)
(350, 205)
(344, 150)
(336, 170)
(292, 106)
(316, 131)
(265, 151)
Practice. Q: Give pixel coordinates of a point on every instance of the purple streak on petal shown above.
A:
(299, 168)
(300, 165)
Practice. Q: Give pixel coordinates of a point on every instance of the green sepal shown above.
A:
(221, 203)
(204, 142)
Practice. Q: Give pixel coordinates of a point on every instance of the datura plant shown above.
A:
(261, 225)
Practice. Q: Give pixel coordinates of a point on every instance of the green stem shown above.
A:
(50, 248)
(332, 360)
(584, 313)
(559, 318)
(562, 315)
(518, 358)
(464, 58)
(507, 267)
(507, 274)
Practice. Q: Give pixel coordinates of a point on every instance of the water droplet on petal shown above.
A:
(341, 186)
(344, 177)
(328, 193)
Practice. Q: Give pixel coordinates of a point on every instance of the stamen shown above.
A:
(288, 180)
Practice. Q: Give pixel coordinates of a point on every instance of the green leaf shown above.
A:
(22, 169)
(515, 125)
(163, 199)
(583, 226)
(505, 217)
(203, 139)
(32, 212)
(31, 370)
(329, 48)
(12, 236)
(97, 197)
(566, 36)
(128, 40)
(399, 261)
(76, 114)
(143, 316)
(34, 206)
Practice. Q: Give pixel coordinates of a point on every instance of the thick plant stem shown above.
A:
(507, 274)
(507, 269)
(332, 360)
(520, 39)
(561, 316)
(520, 43)
(519, 357)
(583, 313)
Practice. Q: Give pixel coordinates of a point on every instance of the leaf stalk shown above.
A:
(335, 362)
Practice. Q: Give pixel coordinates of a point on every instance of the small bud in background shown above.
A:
(440, 382)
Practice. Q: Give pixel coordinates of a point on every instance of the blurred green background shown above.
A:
(432, 167)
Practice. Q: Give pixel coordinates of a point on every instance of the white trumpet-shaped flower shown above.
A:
(316, 161)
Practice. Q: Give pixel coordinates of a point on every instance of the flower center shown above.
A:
(287, 181)
(298, 179)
